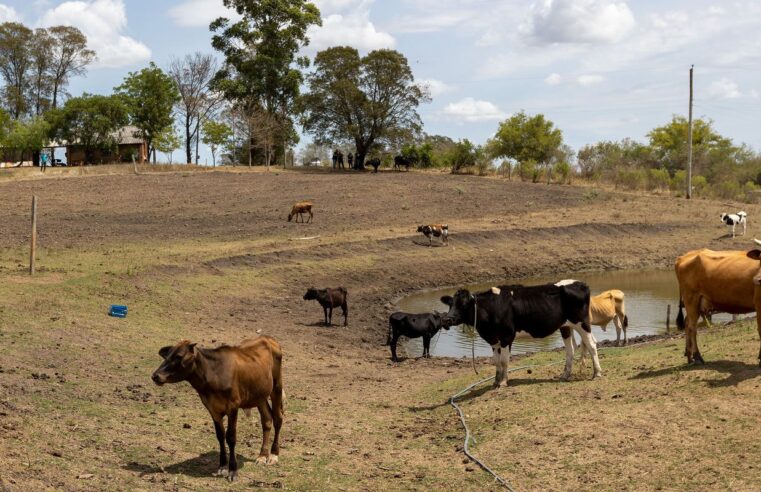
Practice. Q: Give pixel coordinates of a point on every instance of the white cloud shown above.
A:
(579, 21)
(436, 87)
(587, 80)
(8, 14)
(473, 110)
(350, 29)
(199, 13)
(553, 79)
(724, 89)
(102, 21)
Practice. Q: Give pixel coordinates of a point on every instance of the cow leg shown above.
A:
(325, 313)
(232, 430)
(277, 417)
(266, 415)
(618, 326)
(692, 306)
(567, 335)
(330, 316)
(501, 361)
(426, 346)
(590, 344)
(582, 350)
(345, 309)
(219, 429)
(394, 339)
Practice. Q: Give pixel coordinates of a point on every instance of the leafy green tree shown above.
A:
(28, 137)
(150, 96)
(167, 142)
(669, 144)
(216, 135)
(526, 138)
(464, 154)
(15, 65)
(91, 121)
(262, 70)
(364, 99)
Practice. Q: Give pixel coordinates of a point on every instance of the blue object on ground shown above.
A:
(118, 311)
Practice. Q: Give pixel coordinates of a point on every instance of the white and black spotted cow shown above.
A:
(435, 230)
(731, 220)
(540, 310)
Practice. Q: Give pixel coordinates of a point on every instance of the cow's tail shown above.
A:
(680, 316)
(626, 322)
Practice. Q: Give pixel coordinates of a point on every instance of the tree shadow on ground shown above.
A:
(201, 466)
(736, 372)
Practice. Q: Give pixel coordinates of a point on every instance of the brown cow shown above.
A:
(301, 208)
(716, 281)
(229, 378)
(329, 299)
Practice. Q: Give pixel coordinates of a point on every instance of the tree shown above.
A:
(216, 135)
(464, 154)
(669, 144)
(365, 99)
(167, 142)
(91, 121)
(262, 70)
(28, 137)
(150, 96)
(15, 64)
(192, 76)
(524, 139)
(69, 58)
(41, 64)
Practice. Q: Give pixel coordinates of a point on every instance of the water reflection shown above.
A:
(647, 295)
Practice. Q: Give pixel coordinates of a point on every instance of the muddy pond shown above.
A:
(648, 293)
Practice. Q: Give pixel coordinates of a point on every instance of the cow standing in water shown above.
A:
(716, 281)
(229, 378)
(541, 310)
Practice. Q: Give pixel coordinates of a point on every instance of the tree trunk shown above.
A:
(188, 141)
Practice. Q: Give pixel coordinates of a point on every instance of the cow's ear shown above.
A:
(164, 351)
(447, 300)
(754, 254)
(192, 348)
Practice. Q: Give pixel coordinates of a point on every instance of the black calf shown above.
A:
(424, 325)
(329, 299)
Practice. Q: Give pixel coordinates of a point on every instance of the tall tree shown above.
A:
(262, 68)
(69, 58)
(150, 96)
(669, 144)
(41, 66)
(365, 99)
(526, 138)
(15, 64)
(167, 142)
(91, 121)
(192, 76)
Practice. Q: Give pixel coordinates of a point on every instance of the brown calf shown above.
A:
(329, 299)
(229, 378)
(301, 208)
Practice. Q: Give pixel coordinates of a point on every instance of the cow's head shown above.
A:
(310, 294)
(420, 228)
(460, 308)
(290, 216)
(179, 362)
(439, 317)
(756, 255)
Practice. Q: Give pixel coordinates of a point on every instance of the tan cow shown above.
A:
(716, 281)
(229, 378)
(604, 308)
(300, 208)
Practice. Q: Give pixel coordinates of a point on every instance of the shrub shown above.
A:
(658, 179)
(631, 178)
(562, 172)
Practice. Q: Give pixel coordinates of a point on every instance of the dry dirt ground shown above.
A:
(209, 256)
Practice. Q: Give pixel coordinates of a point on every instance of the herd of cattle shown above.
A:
(230, 378)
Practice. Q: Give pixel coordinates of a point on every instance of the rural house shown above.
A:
(129, 145)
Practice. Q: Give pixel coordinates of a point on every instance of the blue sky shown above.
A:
(601, 69)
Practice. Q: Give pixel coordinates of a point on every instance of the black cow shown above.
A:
(400, 161)
(329, 299)
(539, 310)
(424, 325)
(375, 163)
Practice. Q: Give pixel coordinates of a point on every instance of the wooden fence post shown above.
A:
(668, 318)
(33, 253)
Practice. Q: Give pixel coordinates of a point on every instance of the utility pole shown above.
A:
(689, 142)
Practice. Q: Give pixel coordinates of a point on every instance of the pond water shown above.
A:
(648, 293)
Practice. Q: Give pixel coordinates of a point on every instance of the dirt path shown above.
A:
(210, 257)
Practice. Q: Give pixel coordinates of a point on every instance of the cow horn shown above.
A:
(757, 241)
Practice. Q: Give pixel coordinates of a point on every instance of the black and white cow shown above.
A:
(540, 310)
(424, 325)
(731, 220)
(435, 230)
